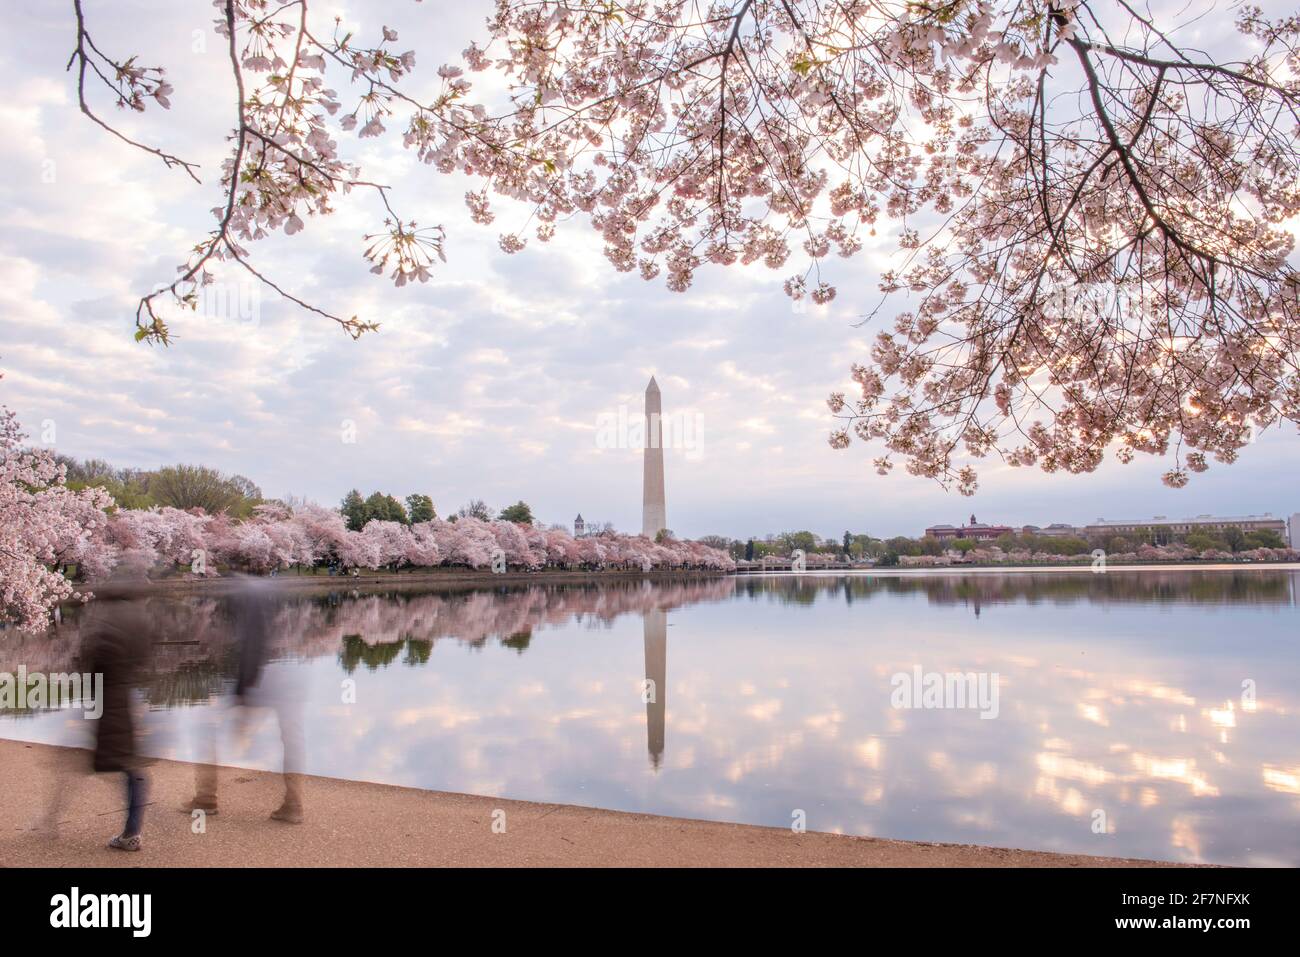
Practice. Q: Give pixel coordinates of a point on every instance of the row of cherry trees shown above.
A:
(47, 528)
(165, 539)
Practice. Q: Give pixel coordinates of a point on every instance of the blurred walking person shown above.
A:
(118, 640)
(257, 687)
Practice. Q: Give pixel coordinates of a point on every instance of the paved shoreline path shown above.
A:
(356, 824)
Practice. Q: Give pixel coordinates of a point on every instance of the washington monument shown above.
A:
(656, 682)
(654, 517)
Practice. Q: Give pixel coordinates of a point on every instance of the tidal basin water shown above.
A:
(1149, 713)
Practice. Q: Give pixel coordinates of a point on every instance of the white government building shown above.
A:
(1289, 529)
(1209, 523)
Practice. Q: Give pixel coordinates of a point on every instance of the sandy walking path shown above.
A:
(355, 824)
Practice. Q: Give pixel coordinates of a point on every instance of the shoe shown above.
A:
(207, 807)
(124, 843)
(288, 813)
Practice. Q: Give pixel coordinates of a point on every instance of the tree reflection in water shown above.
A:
(1121, 691)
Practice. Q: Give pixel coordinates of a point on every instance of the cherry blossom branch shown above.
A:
(130, 84)
(1021, 153)
(269, 173)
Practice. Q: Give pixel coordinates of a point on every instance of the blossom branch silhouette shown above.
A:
(1092, 220)
(283, 160)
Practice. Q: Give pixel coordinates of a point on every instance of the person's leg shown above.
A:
(57, 796)
(137, 796)
(293, 739)
(205, 788)
(205, 770)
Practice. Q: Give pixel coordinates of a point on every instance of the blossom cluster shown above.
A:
(169, 540)
(41, 521)
(1009, 149)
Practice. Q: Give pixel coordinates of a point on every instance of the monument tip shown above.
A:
(653, 386)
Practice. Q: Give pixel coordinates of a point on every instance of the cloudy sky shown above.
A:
(488, 382)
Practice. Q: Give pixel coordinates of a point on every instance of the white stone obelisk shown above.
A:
(654, 517)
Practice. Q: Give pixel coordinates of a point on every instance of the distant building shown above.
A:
(583, 528)
(1058, 530)
(1184, 526)
(974, 530)
(1160, 527)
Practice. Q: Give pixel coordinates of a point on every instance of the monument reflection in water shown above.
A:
(1146, 714)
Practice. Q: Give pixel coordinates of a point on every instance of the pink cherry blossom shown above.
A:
(42, 523)
(1090, 221)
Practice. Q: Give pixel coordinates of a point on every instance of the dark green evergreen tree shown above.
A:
(420, 508)
(354, 510)
(519, 513)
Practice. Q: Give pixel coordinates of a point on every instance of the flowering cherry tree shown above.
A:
(467, 541)
(1089, 215)
(42, 522)
(149, 536)
(422, 546)
(587, 551)
(390, 543)
(253, 547)
(512, 541)
(323, 532)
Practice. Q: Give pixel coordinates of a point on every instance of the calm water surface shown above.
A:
(1128, 693)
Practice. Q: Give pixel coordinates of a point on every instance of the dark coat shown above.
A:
(118, 638)
(251, 611)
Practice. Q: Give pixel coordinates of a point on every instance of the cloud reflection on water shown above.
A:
(1119, 693)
